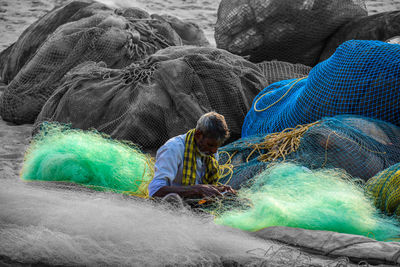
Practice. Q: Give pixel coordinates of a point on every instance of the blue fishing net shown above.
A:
(361, 78)
(361, 146)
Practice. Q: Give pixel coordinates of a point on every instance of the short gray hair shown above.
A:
(213, 125)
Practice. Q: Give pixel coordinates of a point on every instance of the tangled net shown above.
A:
(59, 153)
(291, 195)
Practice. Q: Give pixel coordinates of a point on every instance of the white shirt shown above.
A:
(168, 169)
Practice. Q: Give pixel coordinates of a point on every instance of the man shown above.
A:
(186, 164)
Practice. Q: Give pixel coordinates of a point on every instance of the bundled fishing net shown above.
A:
(291, 195)
(384, 188)
(361, 78)
(381, 26)
(150, 102)
(163, 96)
(288, 30)
(60, 154)
(117, 39)
(361, 146)
(275, 71)
(190, 32)
(14, 57)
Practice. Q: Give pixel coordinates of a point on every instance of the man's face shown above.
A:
(206, 145)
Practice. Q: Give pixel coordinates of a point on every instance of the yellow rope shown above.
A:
(293, 83)
(226, 166)
(279, 145)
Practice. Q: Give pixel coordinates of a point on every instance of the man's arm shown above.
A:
(191, 191)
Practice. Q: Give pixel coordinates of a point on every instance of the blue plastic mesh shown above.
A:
(359, 145)
(362, 78)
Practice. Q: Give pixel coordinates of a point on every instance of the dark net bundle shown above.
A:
(361, 78)
(275, 71)
(15, 56)
(361, 146)
(381, 26)
(190, 32)
(287, 30)
(117, 39)
(164, 96)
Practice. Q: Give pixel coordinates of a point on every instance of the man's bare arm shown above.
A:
(193, 191)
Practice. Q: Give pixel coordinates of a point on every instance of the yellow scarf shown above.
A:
(189, 163)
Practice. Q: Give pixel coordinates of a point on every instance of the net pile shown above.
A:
(117, 39)
(288, 30)
(360, 146)
(361, 78)
(384, 189)
(14, 57)
(291, 195)
(275, 71)
(161, 97)
(190, 32)
(60, 154)
(380, 26)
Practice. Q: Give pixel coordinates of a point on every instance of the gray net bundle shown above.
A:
(190, 32)
(15, 56)
(287, 30)
(381, 26)
(275, 71)
(150, 102)
(359, 145)
(117, 39)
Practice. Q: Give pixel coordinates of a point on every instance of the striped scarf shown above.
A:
(189, 163)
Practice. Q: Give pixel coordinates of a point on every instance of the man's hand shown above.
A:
(226, 189)
(209, 191)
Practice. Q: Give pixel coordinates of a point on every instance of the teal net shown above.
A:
(361, 146)
(361, 78)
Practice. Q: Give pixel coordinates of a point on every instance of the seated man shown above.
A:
(186, 164)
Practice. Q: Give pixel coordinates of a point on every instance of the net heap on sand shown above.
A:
(293, 31)
(384, 189)
(361, 78)
(361, 146)
(164, 95)
(61, 154)
(159, 98)
(117, 38)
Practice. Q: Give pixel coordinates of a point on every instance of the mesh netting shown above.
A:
(275, 71)
(359, 145)
(291, 195)
(361, 78)
(15, 57)
(190, 32)
(287, 30)
(150, 102)
(381, 26)
(114, 39)
(385, 190)
(60, 154)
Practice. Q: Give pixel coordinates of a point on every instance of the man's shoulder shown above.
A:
(176, 143)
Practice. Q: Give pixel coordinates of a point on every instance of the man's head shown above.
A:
(211, 132)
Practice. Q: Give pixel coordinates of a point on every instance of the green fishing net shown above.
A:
(58, 153)
(291, 195)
